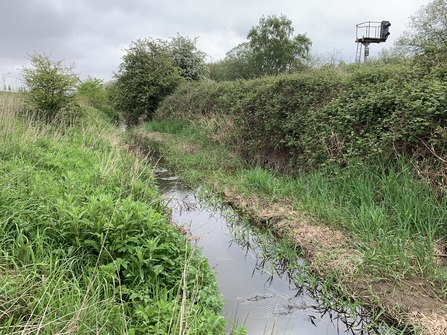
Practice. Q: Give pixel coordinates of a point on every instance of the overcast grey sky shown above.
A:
(93, 33)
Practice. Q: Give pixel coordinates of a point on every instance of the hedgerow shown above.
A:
(325, 116)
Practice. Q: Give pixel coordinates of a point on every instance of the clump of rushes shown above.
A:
(85, 245)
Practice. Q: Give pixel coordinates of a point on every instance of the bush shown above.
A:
(146, 75)
(50, 87)
(331, 115)
(93, 93)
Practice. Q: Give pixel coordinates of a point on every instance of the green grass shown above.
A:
(198, 160)
(165, 127)
(85, 242)
(394, 218)
(385, 207)
(55, 294)
(391, 213)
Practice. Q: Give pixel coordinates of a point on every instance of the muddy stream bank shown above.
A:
(258, 292)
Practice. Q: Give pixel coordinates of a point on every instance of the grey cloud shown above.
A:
(92, 33)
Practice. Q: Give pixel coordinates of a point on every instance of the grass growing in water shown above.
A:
(396, 224)
(278, 255)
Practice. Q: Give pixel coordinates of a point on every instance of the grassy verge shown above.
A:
(85, 243)
(375, 231)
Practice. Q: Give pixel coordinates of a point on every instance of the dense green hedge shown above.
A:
(306, 120)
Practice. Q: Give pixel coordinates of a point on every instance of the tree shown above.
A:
(274, 49)
(146, 75)
(238, 62)
(185, 55)
(92, 91)
(427, 29)
(151, 70)
(236, 65)
(50, 86)
(271, 49)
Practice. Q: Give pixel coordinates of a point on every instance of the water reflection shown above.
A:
(258, 289)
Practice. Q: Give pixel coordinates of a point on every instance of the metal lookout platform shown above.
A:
(369, 32)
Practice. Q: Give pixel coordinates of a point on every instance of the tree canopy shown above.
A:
(188, 58)
(50, 86)
(271, 49)
(236, 65)
(274, 48)
(146, 75)
(151, 69)
(427, 28)
(92, 91)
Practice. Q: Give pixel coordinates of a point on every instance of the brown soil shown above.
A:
(413, 301)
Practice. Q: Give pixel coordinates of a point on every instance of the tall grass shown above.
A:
(54, 296)
(397, 221)
(85, 245)
(392, 214)
(45, 288)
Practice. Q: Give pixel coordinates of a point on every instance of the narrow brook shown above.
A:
(262, 298)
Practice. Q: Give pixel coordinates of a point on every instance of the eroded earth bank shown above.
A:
(330, 253)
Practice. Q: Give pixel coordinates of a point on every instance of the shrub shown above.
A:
(93, 93)
(331, 115)
(50, 87)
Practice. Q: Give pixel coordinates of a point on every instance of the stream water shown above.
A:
(263, 298)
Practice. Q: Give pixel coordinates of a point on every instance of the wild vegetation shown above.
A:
(331, 115)
(271, 49)
(151, 70)
(50, 87)
(86, 244)
(426, 29)
(359, 149)
(346, 161)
